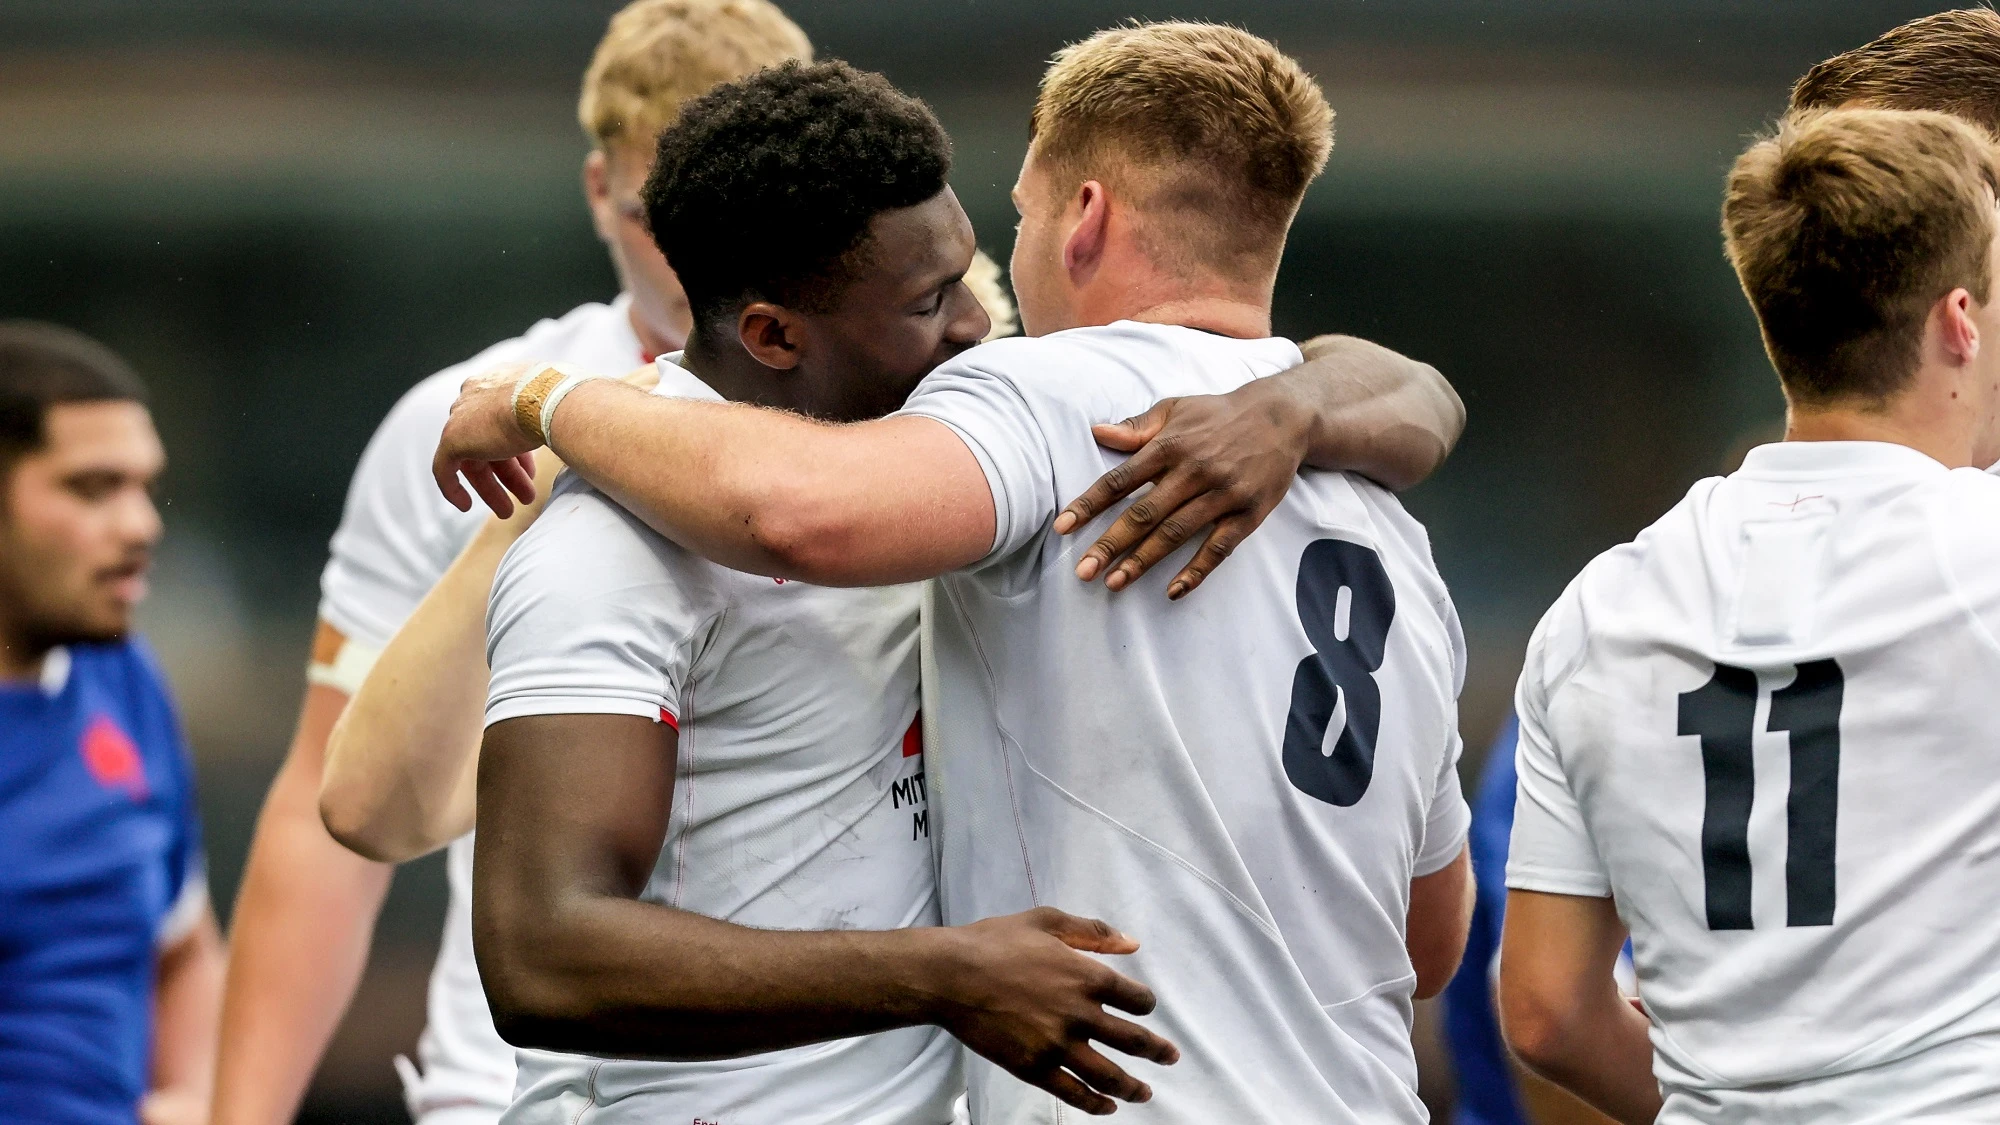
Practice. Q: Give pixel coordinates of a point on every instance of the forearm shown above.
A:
(299, 941)
(187, 1010)
(772, 493)
(613, 976)
(401, 763)
(1602, 1055)
(1374, 411)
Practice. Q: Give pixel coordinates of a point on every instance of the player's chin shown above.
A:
(107, 618)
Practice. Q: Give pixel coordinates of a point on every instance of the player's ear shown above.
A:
(1083, 247)
(597, 193)
(771, 334)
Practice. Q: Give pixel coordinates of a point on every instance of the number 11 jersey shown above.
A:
(1245, 780)
(1766, 728)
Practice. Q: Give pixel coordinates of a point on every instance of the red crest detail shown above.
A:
(113, 758)
(913, 739)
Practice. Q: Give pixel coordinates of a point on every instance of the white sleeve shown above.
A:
(1551, 850)
(594, 614)
(993, 418)
(397, 535)
(1450, 818)
(187, 910)
(1967, 525)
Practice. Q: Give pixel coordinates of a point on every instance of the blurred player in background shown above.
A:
(1812, 634)
(1194, 771)
(307, 908)
(110, 960)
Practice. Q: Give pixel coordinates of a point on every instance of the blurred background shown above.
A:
(287, 211)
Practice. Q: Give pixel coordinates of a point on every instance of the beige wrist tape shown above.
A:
(539, 392)
(346, 670)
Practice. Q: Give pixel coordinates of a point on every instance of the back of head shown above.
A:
(1845, 229)
(1949, 62)
(1209, 132)
(45, 365)
(659, 54)
(764, 189)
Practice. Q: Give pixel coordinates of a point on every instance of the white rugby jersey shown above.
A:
(1764, 727)
(396, 538)
(1246, 780)
(799, 802)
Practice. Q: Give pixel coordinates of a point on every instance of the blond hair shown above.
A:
(1207, 129)
(658, 54)
(1845, 229)
(1949, 62)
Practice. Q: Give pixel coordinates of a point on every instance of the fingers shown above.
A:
(1166, 536)
(1125, 1036)
(1065, 1086)
(1119, 991)
(1087, 934)
(479, 474)
(1222, 541)
(516, 478)
(1116, 484)
(445, 473)
(1129, 435)
(1106, 1077)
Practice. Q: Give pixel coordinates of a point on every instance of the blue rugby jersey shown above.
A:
(100, 865)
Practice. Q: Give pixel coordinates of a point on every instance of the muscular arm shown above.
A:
(867, 504)
(1440, 918)
(186, 1005)
(1559, 1004)
(304, 918)
(401, 764)
(572, 960)
(1373, 411)
(902, 498)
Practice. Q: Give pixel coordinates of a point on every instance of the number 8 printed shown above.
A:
(1346, 604)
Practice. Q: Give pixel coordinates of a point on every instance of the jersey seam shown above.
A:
(1007, 763)
(684, 742)
(590, 1095)
(1006, 759)
(1950, 577)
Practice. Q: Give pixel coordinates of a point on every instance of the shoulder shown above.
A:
(128, 665)
(126, 676)
(585, 549)
(1964, 516)
(1050, 365)
(1971, 491)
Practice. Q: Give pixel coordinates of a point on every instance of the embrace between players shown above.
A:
(765, 824)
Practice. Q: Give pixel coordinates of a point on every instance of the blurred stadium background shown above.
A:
(287, 211)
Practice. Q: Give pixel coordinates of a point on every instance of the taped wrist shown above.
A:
(539, 392)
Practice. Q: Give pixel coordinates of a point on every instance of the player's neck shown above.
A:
(735, 374)
(1947, 439)
(656, 339)
(1224, 316)
(20, 658)
(1131, 287)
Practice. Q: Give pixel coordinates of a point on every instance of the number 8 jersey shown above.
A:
(1766, 728)
(1246, 780)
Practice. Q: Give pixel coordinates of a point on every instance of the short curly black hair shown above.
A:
(764, 188)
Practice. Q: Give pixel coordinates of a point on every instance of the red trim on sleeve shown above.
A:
(667, 717)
